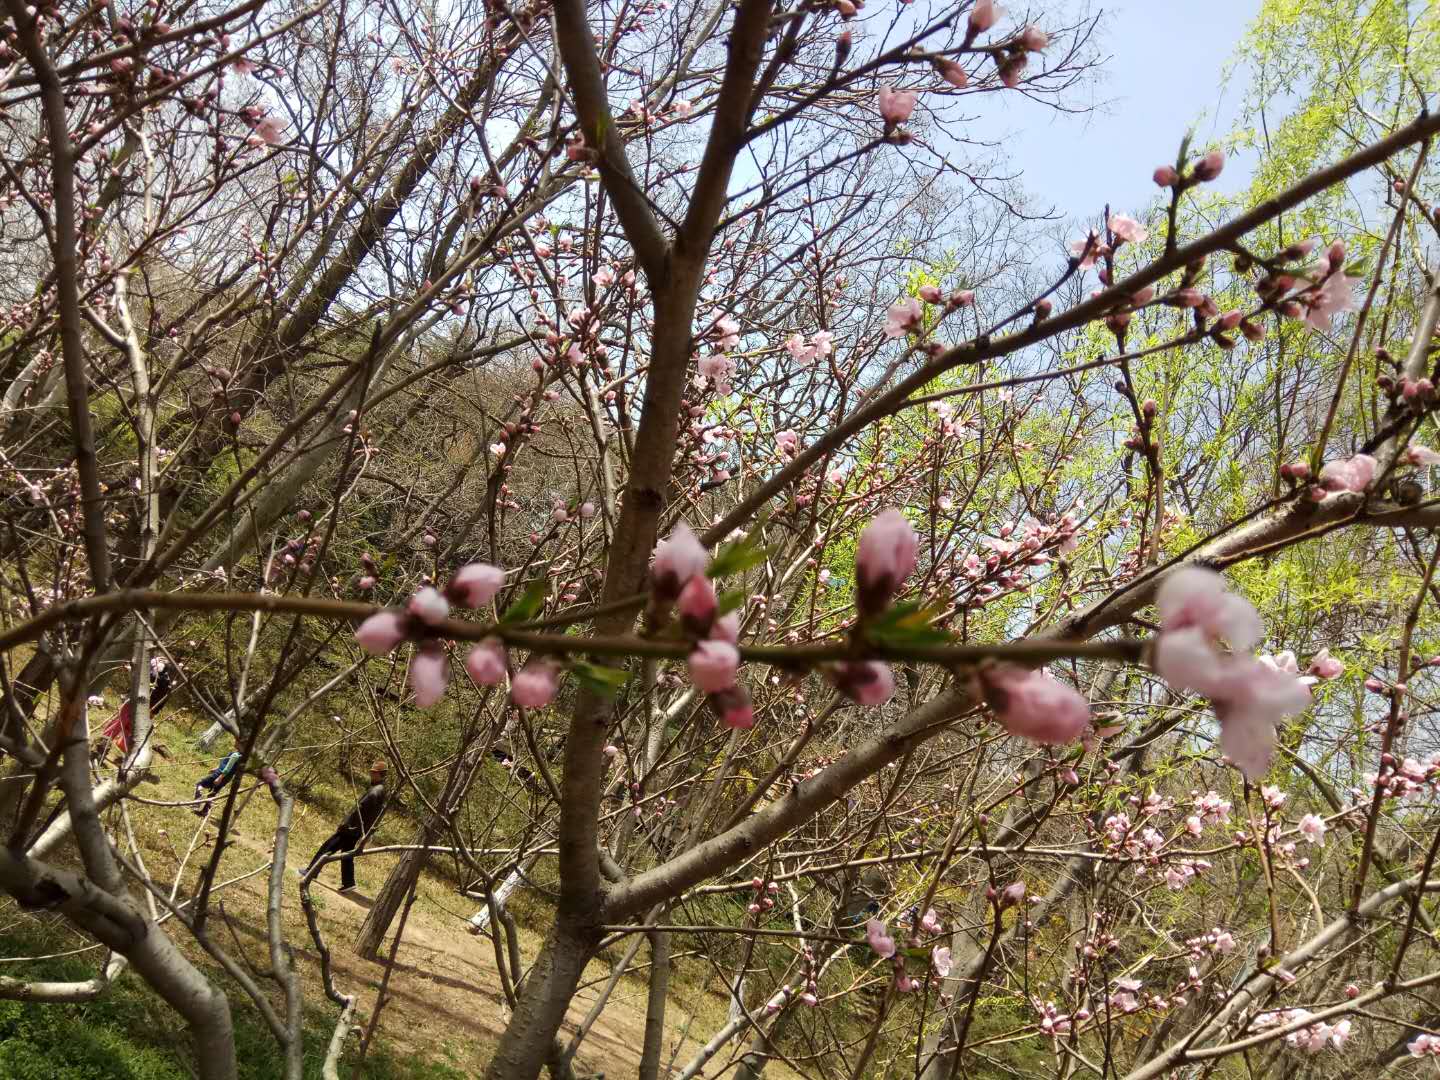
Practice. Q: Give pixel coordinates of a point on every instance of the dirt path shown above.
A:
(444, 997)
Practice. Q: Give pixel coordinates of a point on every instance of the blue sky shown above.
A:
(1162, 73)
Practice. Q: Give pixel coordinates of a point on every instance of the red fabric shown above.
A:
(119, 728)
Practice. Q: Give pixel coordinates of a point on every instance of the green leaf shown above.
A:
(529, 605)
(599, 679)
(730, 600)
(906, 624)
(738, 556)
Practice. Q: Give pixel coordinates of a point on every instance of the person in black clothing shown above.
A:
(356, 827)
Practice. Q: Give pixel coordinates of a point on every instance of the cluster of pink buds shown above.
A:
(472, 586)
(1318, 1036)
(1202, 171)
(1406, 777)
(1315, 293)
(1215, 941)
(677, 576)
(764, 895)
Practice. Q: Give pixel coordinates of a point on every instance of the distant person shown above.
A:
(356, 827)
(121, 727)
(216, 779)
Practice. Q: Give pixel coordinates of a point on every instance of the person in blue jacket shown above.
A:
(216, 779)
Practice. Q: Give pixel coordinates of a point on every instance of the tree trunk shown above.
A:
(393, 893)
(529, 1037)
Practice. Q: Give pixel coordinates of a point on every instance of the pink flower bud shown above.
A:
(1210, 166)
(1229, 321)
(1034, 39)
(884, 559)
(475, 584)
(486, 663)
(1012, 68)
(587, 511)
(984, 15)
(1042, 309)
(1012, 894)
(429, 672)
(952, 73)
(381, 632)
(365, 584)
(713, 665)
(1351, 990)
(930, 294)
(1035, 705)
(1166, 176)
(734, 707)
(677, 559)
(697, 605)
(865, 682)
(535, 685)
(429, 606)
(896, 105)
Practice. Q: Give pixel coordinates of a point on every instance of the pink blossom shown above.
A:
(683, 108)
(677, 559)
(535, 685)
(1415, 454)
(1424, 1046)
(865, 682)
(1196, 597)
(1333, 297)
(796, 347)
(429, 672)
(1284, 661)
(603, 277)
(884, 558)
(697, 605)
(1035, 705)
(1250, 699)
(713, 665)
(1353, 474)
(787, 442)
(896, 105)
(940, 961)
(1127, 228)
(476, 584)
(381, 632)
(486, 663)
(1325, 666)
(270, 129)
(1088, 250)
(880, 941)
(903, 317)
(1166, 176)
(726, 628)
(587, 511)
(429, 606)
(984, 15)
(930, 922)
(1312, 828)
